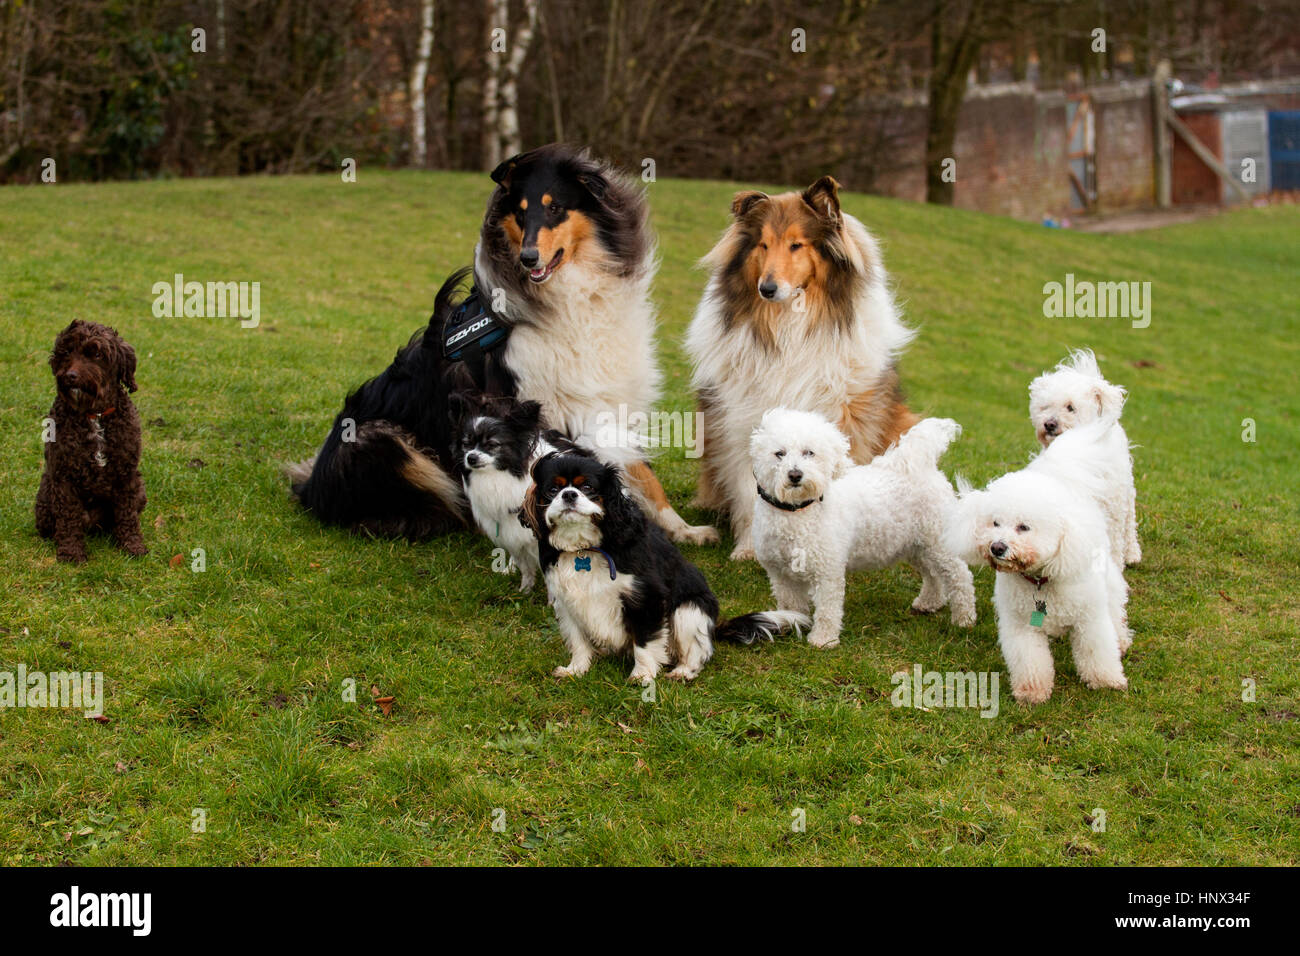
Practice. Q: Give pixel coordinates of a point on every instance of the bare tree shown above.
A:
(506, 55)
(419, 74)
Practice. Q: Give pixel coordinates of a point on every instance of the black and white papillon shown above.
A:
(496, 440)
(618, 585)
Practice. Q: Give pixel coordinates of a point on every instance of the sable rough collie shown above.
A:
(559, 314)
(797, 313)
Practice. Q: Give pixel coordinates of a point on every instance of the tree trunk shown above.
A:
(419, 74)
(509, 116)
(950, 64)
(497, 11)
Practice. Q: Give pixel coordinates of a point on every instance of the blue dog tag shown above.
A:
(582, 564)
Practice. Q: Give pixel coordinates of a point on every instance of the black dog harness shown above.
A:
(471, 331)
(785, 505)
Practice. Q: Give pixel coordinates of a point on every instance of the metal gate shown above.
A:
(1081, 152)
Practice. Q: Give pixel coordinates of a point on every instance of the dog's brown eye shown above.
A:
(1022, 528)
(810, 454)
(780, 454)
(996, 525)
(1069, 408)
(763, 246)
(796, 246)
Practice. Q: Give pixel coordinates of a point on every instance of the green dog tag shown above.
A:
(1040, 614)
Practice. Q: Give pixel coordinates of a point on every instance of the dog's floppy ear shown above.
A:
(843, 455)
(124, 357)
(1110, 399)
(746, 200)
(501, 175)
(594, 181)
(823, 196)
(624, 520)
(959, 522)
(528, 511)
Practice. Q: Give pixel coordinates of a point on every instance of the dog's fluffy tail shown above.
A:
(764, 625)
(923, 444)
(298, 472)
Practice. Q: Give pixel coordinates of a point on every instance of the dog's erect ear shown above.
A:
(125, 359)
(746, 200)
(501, 175)
(824, 198)
(1110, 400)
(458, 405)
(526, 414)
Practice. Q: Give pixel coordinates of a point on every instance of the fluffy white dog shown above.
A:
(818, 516)
(1074, 393)
(1043, 532)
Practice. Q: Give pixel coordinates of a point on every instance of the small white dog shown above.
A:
(1074, 393)
(818, 515)
(1043, 532)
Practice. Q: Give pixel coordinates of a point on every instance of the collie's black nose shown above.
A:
(767, 289)
(528, 258)
(998, 549)
(795, 476)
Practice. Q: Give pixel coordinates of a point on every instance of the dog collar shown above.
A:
(584, 564)
(104, 414)
(1037, 582)
(785, 505)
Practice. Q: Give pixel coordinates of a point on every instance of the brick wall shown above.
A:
(1125, 150)
(1011, 152)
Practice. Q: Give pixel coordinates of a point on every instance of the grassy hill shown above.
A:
(225, 688)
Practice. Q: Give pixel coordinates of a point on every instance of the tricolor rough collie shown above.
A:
(559, 314)
(797, 313)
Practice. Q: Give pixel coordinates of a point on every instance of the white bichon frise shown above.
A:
(1043, 532)
(1074, 393)
(818, 516)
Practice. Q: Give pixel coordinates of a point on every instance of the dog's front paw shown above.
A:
(823, 639)
(964, 617)
(644, 678)
(683, 673)
(569, 670)
(696, 534)
(1134, 554)
(1103, 680)
(72, 555)
(526, 582)
(135, 548)
(1031, 693)
(742, 552)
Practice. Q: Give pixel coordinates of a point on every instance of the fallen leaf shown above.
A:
(855, 819)
(159, 521)
(386, 705)
(98, 718)
(177, 560)
(624, 727)
(119, 767)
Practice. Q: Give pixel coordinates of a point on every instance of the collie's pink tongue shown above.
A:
(542, 273)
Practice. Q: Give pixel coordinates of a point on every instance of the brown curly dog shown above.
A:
(92, 476)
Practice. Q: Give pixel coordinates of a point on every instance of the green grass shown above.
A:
(224, 688)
